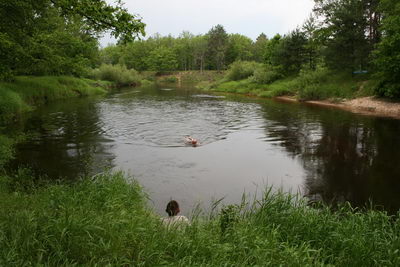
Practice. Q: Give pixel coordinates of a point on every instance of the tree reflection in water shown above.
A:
(346, 157)
(71, 141)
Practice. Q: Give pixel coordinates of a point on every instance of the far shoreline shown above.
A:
(370, 105)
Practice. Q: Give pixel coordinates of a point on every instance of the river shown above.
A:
(246, 144)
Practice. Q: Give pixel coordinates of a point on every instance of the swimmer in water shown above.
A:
(190, 140)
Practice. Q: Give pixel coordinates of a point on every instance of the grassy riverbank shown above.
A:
(192, 76)
(317, 85)
(28, 91)
(105, 221)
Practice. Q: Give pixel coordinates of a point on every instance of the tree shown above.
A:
(58, 36)
(345, 32)
(184, 50)
(271, 50)
(239, 48)
(291, 54)
(217, 46)
(312, 48)
(134, 55)
(259, 47)
(387, 55)
(162, 59)
(200, 47)
(100, 16)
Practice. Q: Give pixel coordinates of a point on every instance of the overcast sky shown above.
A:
(250, 17)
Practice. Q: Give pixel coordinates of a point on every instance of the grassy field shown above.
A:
(27, 91)
(105, 221)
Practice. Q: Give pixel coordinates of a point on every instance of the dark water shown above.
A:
(246, 144)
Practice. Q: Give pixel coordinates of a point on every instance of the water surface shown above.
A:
(246, 144)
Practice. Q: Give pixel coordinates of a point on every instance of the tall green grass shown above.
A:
(26, 91)
(105, 221)
(6, 150)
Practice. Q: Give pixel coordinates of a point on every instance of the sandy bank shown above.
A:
(364, 105)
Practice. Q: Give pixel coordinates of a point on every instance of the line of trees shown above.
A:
(354, 36)
(60, 37)
(213, 51)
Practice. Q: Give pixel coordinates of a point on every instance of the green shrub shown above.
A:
(280, 88)
(240, 70)
(387, 89)
(170, 79)
(7, 150)
(146, 83)
(312, 85)
(265, 75)
(116, 73)
(323, 84)
(11, 104)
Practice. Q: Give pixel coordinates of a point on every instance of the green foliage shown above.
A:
(266, 75)
(290, 53)
(134, 55)
(90, 222)
(239, 48)
(170, 79)
(323, 84)
(243, 86)
(116, 73)
(26, 91)
(347, 24)
(104, 221)
(259, 48)
(229, 216)
(271, 49)
(241, 70)
(11, 103)
(7, 150)
(100, 17)
(217, 46)
(58, 37)
(282, 87)
(162, 59)
(387, 55)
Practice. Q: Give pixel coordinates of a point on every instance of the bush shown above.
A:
(240, 70)
(309, 84)
(11, 104)
(116, 73)
(170, 79)
(387, 89)
(323, 84)
(265, 75)
(7, 150)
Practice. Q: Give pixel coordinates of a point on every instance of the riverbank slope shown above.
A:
(369, 105)
(26, 92)
(104, 220)
(323, 88)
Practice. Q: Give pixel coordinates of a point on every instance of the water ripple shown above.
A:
(164, 123)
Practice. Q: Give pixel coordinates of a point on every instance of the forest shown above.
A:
(357, 37)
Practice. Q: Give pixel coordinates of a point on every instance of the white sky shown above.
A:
(250, 17)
